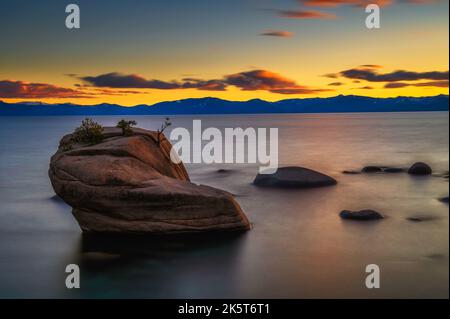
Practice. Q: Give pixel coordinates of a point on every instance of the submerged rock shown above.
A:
(99, 256)
(436, 256)
(129, 185)
(294, 177)
(57, 199)
(420, 169)
(351, 172)
(443, 175)
(419, 219)
(382, 169)
(372, 169)
(224, 171)
(393, 170)
(361, 215)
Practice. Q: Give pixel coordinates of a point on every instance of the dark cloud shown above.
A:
(277, 33)
(133, 81)
(117, 80)
(24, 90)
(331, 75)
(246, 81)
(336, 84)
(302, 14)
(439, 84)
(370, 75)
(398, 85)
(367, 87)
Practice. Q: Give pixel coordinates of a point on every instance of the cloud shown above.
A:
(101, 91)
(246, 81)
(277, 33)
(439, 84)
(336, 84)
(398, 85)
(133, 81)
(371, 75)
(371, 66)
(118, 80)
(360, 3)
(331, 75)
(208, 85)
(25, 90)
(302, 14)
(268, 81)
(421, 1)
(367, 87)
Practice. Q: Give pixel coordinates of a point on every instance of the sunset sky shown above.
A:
(142, 52)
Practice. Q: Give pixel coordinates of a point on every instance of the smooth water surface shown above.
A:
(298, 247)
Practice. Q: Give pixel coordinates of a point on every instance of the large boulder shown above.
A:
(294, 177)
(129, 185)
(420, 169)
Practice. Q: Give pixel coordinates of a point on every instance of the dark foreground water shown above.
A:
(298, 248)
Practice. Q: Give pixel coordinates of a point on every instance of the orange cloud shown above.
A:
(276, 33)
(268, 81)
(359, 3)
(337, 3)
(421, 1)
(24, 90)
(302, 14)
(246, 81)
(371, 66)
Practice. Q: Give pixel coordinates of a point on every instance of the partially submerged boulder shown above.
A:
(361, 215)
(419, 219)
(347, 172)
(294, 177)
(129, 185)
(372, 169)
(420, 169)
(394, 170)
(382, 169)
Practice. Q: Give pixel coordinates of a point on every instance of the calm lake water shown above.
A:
(298, 247)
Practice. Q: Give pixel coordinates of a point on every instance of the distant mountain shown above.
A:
(338, 104)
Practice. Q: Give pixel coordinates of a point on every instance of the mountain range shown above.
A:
(338, 104)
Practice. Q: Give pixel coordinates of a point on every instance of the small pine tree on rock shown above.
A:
(126, 127)
(90, 132)
(164, 126)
